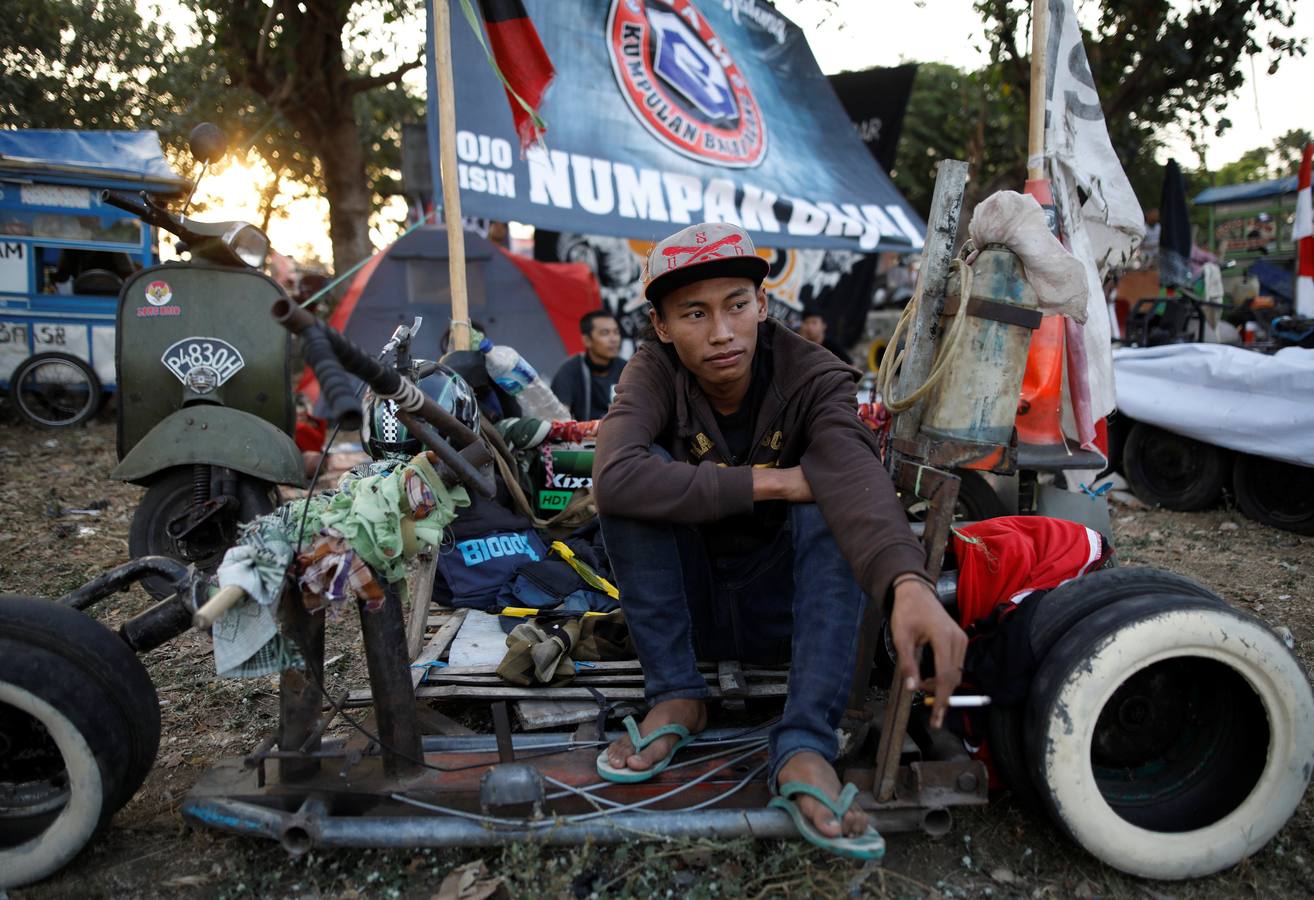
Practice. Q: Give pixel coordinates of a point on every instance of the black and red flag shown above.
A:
(518, 58)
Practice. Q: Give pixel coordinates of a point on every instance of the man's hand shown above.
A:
(918, 619)
(781, 484)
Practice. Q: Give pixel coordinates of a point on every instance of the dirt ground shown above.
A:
(997, 852)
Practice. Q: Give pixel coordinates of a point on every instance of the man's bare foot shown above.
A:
(692, 714)
(811, 768)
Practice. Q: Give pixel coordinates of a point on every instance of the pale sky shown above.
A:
(858, 34)
(864, 33)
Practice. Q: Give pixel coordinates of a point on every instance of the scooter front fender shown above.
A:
(216, 436)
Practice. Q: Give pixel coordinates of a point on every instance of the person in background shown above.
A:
(813, 328)
(587, 381)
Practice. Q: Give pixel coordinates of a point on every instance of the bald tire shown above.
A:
(1056, 612)
(1169, 736)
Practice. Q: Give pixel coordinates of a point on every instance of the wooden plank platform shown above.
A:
(619, 682)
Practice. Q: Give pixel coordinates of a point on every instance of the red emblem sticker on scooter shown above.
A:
(158, 295)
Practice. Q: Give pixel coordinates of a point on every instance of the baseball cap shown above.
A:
(702, 251)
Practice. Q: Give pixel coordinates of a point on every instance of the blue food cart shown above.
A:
(63, 258)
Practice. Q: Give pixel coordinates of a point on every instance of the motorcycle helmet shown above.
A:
(384, 435)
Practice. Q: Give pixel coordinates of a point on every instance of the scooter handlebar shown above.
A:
(127, 203)
(343, 407)
(385, 381)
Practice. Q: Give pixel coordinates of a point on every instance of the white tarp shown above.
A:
(1225, 396)
(1105, 229)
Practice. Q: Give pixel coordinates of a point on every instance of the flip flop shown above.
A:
(869, 846)
(631, 776)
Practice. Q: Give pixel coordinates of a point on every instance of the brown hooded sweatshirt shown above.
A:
(808, 416)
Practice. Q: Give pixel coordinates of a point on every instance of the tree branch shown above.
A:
(263, 36)
(368, 83)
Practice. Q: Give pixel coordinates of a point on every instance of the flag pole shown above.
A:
(1036, 120)
(442, 28)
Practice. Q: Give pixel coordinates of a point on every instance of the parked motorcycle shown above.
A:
(211, 448)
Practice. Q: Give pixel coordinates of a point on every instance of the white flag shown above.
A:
(1105, 229)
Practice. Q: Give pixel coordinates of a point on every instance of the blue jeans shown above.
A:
(795, 599)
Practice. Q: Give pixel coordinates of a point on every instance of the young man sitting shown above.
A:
(747, 516)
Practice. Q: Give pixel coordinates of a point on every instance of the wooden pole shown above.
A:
(1036, 113)
(442, 36)
(937, 258)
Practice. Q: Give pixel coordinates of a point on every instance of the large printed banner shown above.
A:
(668, 112)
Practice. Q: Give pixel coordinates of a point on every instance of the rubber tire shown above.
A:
(162, 501)
(1210, 465)
(977, 498)
(1103, 652)
(1055, 614)
(95, 698)
(82, 415)
(1252, 476)
(1118, 428)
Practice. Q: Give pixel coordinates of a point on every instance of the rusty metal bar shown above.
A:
(298, 689)
(384, 634)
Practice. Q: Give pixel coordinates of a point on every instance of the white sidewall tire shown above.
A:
(1246, 646)
(50, 850)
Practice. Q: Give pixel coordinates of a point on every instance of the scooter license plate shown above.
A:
(203, 363)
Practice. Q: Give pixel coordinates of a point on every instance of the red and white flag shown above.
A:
(519, 60)
(1302, 233)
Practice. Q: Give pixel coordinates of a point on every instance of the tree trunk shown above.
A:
(348, 192)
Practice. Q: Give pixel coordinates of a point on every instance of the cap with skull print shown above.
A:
(702, 251)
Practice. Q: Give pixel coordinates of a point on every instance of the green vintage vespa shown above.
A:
(205, 413)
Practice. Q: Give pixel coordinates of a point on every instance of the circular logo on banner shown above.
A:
(681, 83)
(158, 293)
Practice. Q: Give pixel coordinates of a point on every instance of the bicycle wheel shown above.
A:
(55, 390)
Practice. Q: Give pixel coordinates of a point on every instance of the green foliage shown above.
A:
(82, 64)
(954, 114)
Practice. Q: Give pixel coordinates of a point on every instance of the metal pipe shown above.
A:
(121, 577)
(297, 834)
(448, 831)
(459, 462)
(158, 625)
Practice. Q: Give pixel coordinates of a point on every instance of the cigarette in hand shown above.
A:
(961, 701)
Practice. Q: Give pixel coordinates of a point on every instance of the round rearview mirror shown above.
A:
(208, 142)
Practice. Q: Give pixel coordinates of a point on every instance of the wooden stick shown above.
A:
(216, 606)
(420, 591)
(442, 36)
(1036, 113)
(437, 646)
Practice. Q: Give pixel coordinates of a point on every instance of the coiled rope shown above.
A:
(889, 372)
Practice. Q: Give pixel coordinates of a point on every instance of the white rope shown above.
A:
(407, 396)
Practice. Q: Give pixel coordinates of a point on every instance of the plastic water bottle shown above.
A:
(519, 379)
